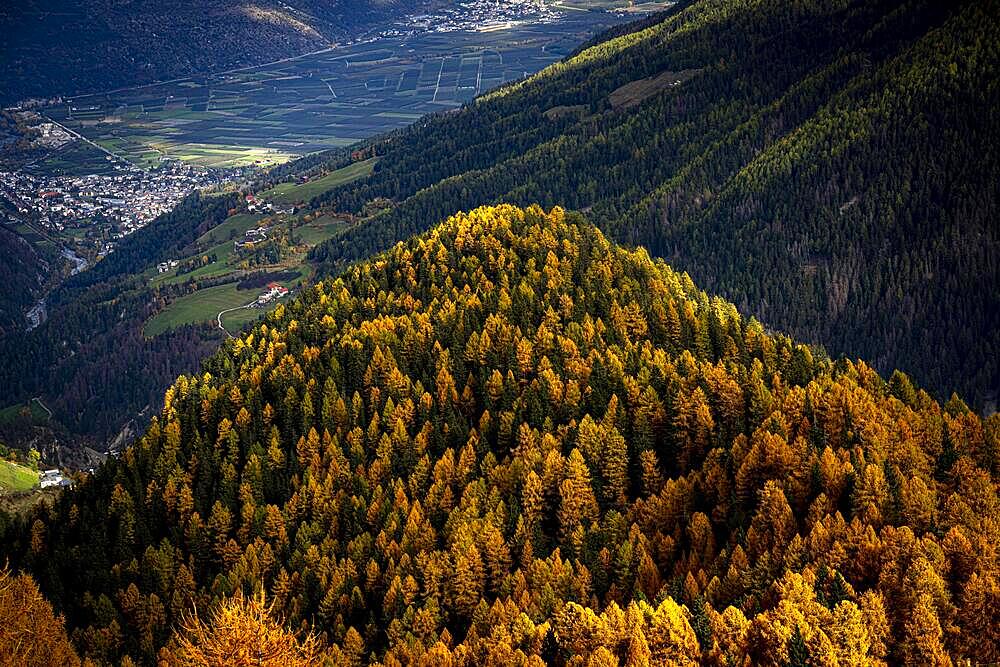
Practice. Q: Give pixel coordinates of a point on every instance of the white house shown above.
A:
(53, 478)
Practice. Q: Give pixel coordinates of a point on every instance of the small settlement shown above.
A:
(50, 478)
(274, 291)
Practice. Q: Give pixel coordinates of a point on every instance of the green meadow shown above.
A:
(286, 193)
(15, 478)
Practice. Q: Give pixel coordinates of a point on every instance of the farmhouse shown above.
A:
(257, 234)
(274, 291)
(251, 237)
(51, 478)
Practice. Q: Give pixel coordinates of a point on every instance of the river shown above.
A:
(38, 313)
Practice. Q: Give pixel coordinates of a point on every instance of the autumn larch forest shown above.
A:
(505, 425)
(510, 441)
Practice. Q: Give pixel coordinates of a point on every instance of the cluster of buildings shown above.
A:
(475, 15)
(274, 291)
(126, 198)
(255, 205)
(251, 237)
(163, 267)
(50, 478)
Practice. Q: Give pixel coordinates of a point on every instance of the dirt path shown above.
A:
(218, 318)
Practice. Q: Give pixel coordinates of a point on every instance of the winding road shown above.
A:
(218, 318)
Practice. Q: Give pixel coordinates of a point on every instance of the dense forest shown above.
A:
(827, 166)
(20, 269)
(511, 442)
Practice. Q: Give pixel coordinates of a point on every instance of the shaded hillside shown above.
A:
(90, 359)
(66, 48)
(828, 166)
(20, 274)
(509, 441)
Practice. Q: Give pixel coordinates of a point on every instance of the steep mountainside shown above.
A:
(831, 167)
(90, 359)
(510, 441)
(20, 270)
(64, 48)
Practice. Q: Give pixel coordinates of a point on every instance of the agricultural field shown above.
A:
(73, 159)
(205, 305)
(15, 478)
(272, 113)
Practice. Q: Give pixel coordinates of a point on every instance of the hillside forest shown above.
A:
(826, 166)
(510, 441)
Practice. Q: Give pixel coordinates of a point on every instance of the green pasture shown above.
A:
(319, 230)
(15, 478)
(296, 192)
(36, 414)
(201, 306)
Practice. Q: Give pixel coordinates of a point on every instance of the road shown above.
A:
(38, 399)
(218, 318)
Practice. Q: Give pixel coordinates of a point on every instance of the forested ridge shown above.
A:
(830, 167)
(20, 269)
(509, 441)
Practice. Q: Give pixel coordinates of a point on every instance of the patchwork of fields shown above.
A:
(270, 114)
(206, 304)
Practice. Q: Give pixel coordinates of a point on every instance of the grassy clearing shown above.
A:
(319, 230)
(201, 306)
(31, 411)
(237, 224)
(292, 192)
(15, 478)
(238, 319)
(635, 92)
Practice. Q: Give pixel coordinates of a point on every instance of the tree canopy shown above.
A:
(510, 441)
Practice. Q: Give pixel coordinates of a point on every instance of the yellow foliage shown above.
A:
(240, 632)
(30, 634)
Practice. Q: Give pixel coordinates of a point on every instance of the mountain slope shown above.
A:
(89, 359)
(20, 267)
(825, 165)
(66, 48)
(509, 441)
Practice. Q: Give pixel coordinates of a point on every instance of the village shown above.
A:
(125, 199)
(475, 15)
